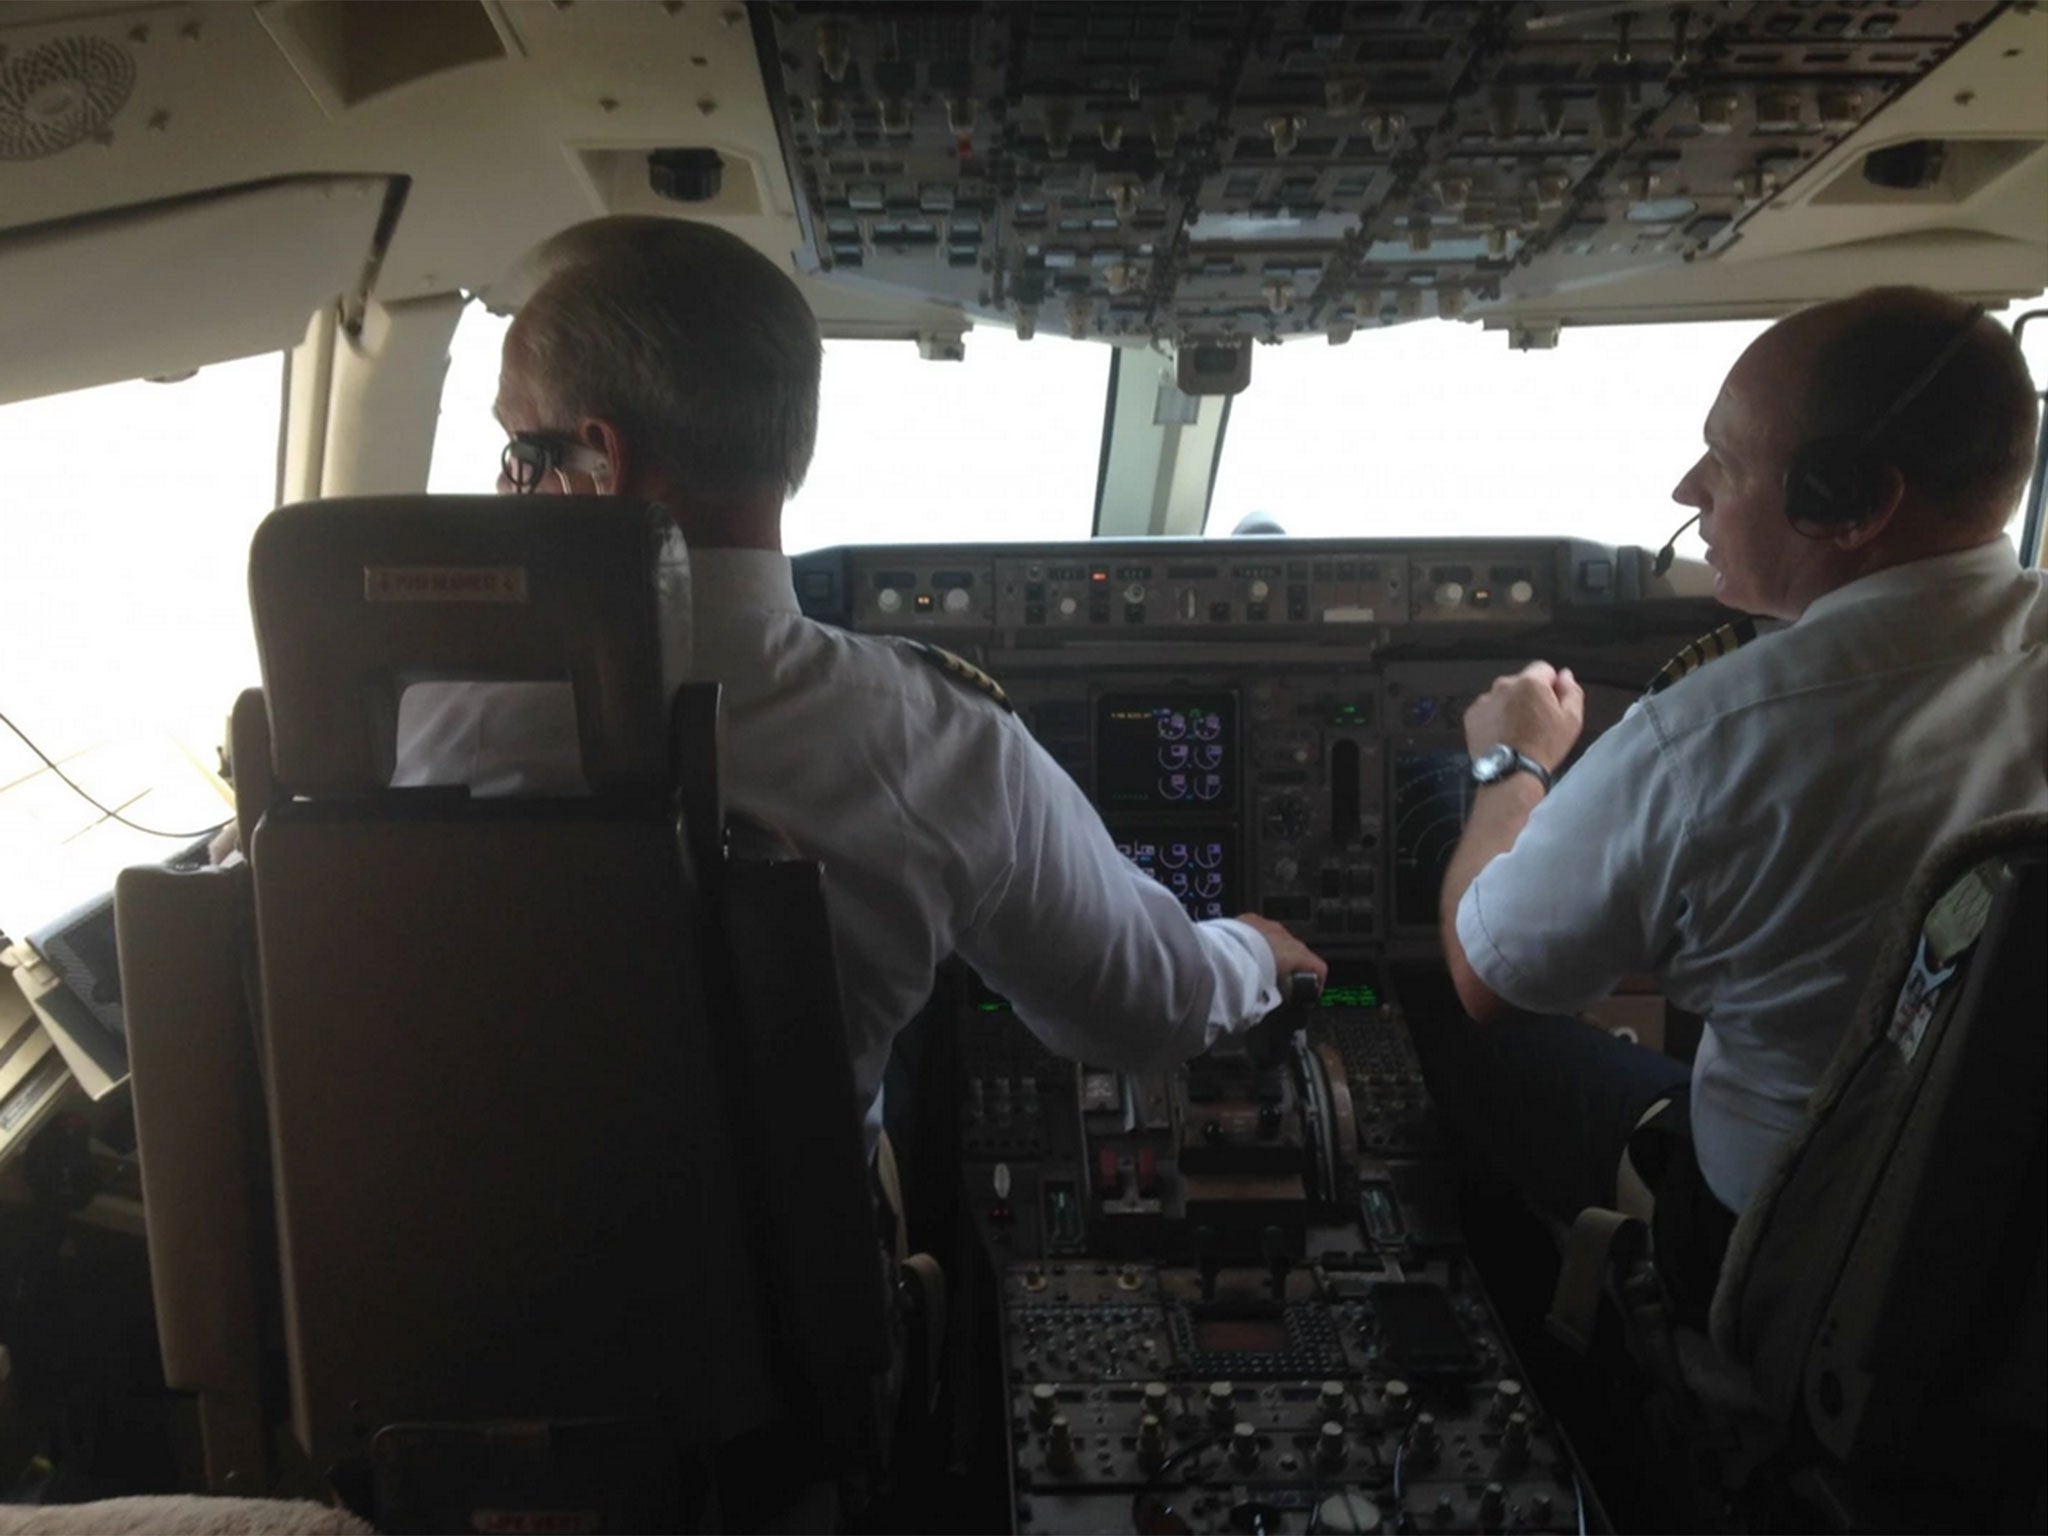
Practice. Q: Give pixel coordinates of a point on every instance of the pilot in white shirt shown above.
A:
(1746, 834)
(670, 362)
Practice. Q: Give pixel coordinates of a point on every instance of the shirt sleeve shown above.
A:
(1098, 959)
(1590, 891)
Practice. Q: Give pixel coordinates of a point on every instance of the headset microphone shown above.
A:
(1669, 552)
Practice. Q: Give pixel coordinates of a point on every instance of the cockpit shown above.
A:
(1225, 397)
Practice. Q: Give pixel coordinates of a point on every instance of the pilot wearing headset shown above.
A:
(1745, 833)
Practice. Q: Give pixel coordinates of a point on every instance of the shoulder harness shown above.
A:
(962, 671)
(1697, 653)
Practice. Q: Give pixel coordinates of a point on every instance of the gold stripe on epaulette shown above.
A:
(1697, 653)
(960, 669)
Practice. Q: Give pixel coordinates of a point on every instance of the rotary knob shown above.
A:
(1244, 1445)
(1330, 1451)
(1044, 1404)
(889, 600)
(1135, 592)
(1259, 591)
(1069, 607)
(1521, 593)
(1222, 1407)
(1449, 594)
(956, 600)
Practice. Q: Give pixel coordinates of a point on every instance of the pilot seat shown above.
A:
(473, 1154)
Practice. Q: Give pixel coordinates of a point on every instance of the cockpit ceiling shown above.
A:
(1127, 171)
(1137, 171)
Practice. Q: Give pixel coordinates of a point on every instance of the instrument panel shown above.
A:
(1235, 1295)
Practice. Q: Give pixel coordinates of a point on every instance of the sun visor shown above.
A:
(167, 287)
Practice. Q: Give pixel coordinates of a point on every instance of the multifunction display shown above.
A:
(1432, 797)
(1166, 752)
(1199, 865)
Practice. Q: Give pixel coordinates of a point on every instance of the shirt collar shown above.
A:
(1984, 562)
(737, 581)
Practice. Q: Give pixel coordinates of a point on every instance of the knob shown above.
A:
(1446, 1512)
(1521, 592)
(1151, 1442)
(1044, 1404)
(1059, 1450)
(1286, 871)
(889, 600)
(1156, 1399)
(1514, 1444)
(1399, 1400)
(1244, 1445)
(1349, 1513)
(1330, 1402)
(1449, 594)
(1222, 1408)
(1135, 592)
(1507, 1397)
(1069, 607)
(1260, 591)
(956, 600)
(1330, 1450)
(1423, 1444)
(1493, 1507)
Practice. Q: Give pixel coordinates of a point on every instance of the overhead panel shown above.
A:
(1144, 172)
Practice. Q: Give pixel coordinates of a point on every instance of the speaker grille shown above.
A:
(59, 94)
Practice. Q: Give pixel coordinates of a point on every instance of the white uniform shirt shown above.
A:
(1747, 834)
(942, 827)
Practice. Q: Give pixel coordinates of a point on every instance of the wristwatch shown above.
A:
(1496, 763)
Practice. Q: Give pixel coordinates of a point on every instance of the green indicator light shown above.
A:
(1360, 996)
(992, 1007)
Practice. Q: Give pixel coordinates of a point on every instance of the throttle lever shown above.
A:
(1267, 1041)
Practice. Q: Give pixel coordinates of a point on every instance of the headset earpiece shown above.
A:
(1833, 483)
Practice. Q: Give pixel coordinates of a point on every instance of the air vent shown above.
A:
(57, 95)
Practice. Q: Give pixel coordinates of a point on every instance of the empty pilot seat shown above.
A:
(1876, 1358)
(536, 1253)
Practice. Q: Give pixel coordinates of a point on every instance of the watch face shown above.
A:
(1492, 763)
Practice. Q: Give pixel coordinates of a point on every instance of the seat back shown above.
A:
(1887, 1283)
(508, 1069)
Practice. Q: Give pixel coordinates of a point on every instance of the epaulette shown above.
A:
(961, 670)
(1697, 653)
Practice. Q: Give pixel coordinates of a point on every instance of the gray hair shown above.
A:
(689, 340)
(1967, 440)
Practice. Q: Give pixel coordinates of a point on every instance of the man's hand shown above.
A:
(1289, 953)
(1539, 711)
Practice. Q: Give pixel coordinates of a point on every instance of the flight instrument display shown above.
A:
(1167, 752)
(1198, 865)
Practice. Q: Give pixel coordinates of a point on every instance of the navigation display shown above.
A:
(1199, 865)
(1432, 797)
(1170, 751)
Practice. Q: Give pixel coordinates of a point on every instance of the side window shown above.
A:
(124, 620)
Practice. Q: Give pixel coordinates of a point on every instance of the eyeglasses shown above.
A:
(530, 457)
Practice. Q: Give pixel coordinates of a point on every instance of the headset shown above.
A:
(1833, 483)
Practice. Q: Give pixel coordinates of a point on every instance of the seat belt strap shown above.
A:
(1582, 1277)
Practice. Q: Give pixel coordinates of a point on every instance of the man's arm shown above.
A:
(1098, 958)
(1540, 712)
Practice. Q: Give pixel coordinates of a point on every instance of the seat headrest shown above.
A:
(357, 599)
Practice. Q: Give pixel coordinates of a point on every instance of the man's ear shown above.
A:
(1891, 493)
(603, 438)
